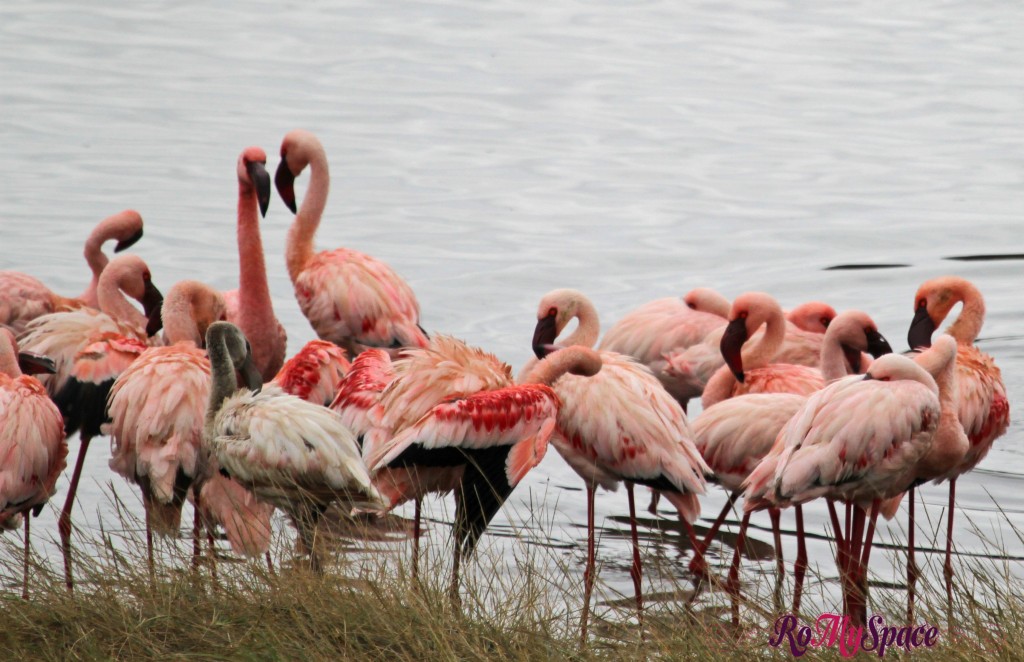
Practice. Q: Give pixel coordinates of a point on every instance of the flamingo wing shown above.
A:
(313, 374)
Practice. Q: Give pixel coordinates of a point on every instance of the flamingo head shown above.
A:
(133, 277)
(706, 300)
(225, 337)
(896, 367)
(932, 304)
(126, 227)
(856, 333)
(31, 363)
(813, 316)
(297, 148)
(555, 311)
(749, 312)
(252, 172)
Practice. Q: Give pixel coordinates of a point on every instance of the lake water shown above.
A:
(492, 152)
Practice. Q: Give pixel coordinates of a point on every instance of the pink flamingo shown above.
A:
(24, 298)
(619, 425)
(33, 451)
(289, 452)
(349, 298)
(250, 307)
(756, 372)
(983, 409)
(668, 326)
(157, 407)
(947, 452)
(89, 349)
(378, 399)
(493, 438)
(734, 435)
(314, 372)
(858, 440)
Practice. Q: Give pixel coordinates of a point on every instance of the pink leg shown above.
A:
(652, 507)
(24, 585)
(862, 579)
(780, 563)
(800, 566)
(270, 564)
(636, 571)
(841, 554)
(912, 571)
(149, 548)
(948, 567)
(416, 541)
(698, 565)
(64, 522)
(733, 582)
(855, 600)
(589, 572)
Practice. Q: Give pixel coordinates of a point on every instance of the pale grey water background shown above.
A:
(492, 152)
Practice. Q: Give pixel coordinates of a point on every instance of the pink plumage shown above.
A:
(314, 372)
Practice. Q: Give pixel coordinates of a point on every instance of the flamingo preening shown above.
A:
(350, 298)
(983, 407)
(619, 425)
(289, 452)
(24, 298)
(32, 445)
(90, 349)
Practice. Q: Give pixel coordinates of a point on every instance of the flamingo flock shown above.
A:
(796, 406)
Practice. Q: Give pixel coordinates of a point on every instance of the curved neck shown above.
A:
(222, 375)
(558, 363)
(299, 249)
(833, 360)
(8, 358)
(588, 326)
(762, 353)
(968, 324)
(97, 261)
(253, 290)
(179, 322)
(114, 303)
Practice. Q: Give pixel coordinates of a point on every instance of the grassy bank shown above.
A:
(366, 608)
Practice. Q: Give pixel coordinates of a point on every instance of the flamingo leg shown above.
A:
(270, 563)
(589, 575)
(948, 567)
(698, 565)
(453, 588)
(862, 579)
(636, 570)
(733, 582)
(800, 566)
(416, 541)
(197, 547)
(24, 585)
(840, 549)
(149, 548)
(64, 522)
(854, 599)
(780, 564)
(912, 572)
(652, 507)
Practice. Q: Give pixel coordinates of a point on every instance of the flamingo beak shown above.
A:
(877, 344)
(251, 375)
(853, 358)
(544, 336)
(284, 181)
(732, 345)
(921, 328)
(129, 242)
(261, 182)
(31, 363)
(152, 302)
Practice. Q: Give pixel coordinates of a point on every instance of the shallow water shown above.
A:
(493, 152)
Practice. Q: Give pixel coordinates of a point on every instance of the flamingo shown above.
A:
(859, 440)
(619, 425)
(33, 450)
(157, 408)
(734, 435)
(668, 326)
(24, 298)
(755, 372)
(378, 399)
(948, 449)
(314, 372)
(291, 453)
(492, 437)
(983, 409)
(89, 349)
(350, 298)
(250, 307)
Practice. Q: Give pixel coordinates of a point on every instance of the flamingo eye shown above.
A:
(922, 303)
(825, 321)
(691, 306)
(743, 315)
(552, 311)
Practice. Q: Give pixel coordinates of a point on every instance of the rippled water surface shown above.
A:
(492, 152)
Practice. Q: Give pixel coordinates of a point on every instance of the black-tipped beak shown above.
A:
(853, 358)
(129, 242)
(544, 336)
(921, 329)
(877, 344)
(152, 302)
(251, 375)
(284, 181)
(261, 182)
(867, 376)
(35, 364)
(732, 346)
